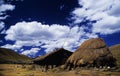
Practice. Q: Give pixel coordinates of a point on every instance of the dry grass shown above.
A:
(29, 70)
(18, 70)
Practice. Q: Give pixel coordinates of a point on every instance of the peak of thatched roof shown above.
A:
(52, 53)
(57, 56)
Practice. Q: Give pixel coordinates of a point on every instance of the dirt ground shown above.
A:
(29, 70)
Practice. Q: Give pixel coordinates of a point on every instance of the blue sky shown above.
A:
(36, 27)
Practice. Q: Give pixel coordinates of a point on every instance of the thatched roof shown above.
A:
(56, 57)
(92, 51)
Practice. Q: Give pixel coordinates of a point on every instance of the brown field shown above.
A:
(29, 70)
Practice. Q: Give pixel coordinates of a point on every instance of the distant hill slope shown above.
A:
(9, 56)
(115, 50)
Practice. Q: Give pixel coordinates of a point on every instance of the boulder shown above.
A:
(92, 52)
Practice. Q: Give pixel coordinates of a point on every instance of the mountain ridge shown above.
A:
(10, 56)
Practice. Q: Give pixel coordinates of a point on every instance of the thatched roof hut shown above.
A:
(92, 52)
(57, 57)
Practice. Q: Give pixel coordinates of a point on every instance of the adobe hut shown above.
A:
(55, 58)
(92, 53)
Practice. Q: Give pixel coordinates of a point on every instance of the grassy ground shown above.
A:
(28, 70)
(18, 70)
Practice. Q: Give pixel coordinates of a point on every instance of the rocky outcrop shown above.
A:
(115, 50)
(92, 52)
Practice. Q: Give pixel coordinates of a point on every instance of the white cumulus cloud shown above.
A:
(48, 37)
(13, 47)
(31, 52)
(3, 8)
(6, 7)
(2, 25)
(105, 12)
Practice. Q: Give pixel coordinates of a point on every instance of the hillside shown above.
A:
(115, 50)
(9, 56)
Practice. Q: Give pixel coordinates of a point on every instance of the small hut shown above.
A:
(92, 52)
(55, 58)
